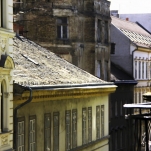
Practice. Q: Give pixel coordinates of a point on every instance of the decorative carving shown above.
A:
(2, 44)
(4, 140)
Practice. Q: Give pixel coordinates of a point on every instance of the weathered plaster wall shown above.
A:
(40, 108)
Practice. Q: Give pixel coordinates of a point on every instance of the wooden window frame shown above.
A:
(102, 120)
(55, 147)
(89, 124)
(20, 119)
(47, 137)
(33, 117)
(68, 129)
(98, 122)
(84, 126)
(74, 128)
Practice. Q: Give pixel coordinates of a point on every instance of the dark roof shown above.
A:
(118, 75)
(35, 65)
(133, 31)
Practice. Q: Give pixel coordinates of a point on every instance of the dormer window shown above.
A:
(62, 28)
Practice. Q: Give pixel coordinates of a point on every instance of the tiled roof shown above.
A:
(35, 65)
(133, 31)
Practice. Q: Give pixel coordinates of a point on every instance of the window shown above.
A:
(116, 113)
(99, 68)
(99, 31)
(106, 70)
(68, 130)
(136, 69)
(142, 70)
(2, 13)
(74, 128)
(140, 98)
(139, 69)
(97, 122)
(121, 107)
(20, 134)
(150, 70)
(135, 98)
(89, 124)
(62, 28)
(121, 139)
(84, 126)
(32, 133)
(56, 131)
(102, 120)
(106, 32)
(112, 48)
(146, 70)
(47, 131)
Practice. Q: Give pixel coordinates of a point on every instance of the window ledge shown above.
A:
(5, 132)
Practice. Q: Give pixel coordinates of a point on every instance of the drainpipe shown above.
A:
(15, 116)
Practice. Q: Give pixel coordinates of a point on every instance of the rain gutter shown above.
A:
(37, 87)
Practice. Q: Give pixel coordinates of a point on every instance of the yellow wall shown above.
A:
(61, 105)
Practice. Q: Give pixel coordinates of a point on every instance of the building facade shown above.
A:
(6, 68)
(76, 30)
(54, 108)
(132, 53)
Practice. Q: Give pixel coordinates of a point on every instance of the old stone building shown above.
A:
(76, 30)
(54, 109)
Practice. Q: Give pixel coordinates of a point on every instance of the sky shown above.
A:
(131, 6)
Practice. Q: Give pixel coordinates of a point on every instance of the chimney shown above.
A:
(127, 19)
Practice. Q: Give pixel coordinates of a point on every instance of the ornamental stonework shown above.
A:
(4, 140)
(2, 44)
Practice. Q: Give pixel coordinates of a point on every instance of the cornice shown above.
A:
(62, 94)
(144, 49)
(6, 33)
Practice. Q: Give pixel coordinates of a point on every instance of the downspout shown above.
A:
(15, 116)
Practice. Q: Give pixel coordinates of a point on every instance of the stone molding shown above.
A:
(48, 95)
